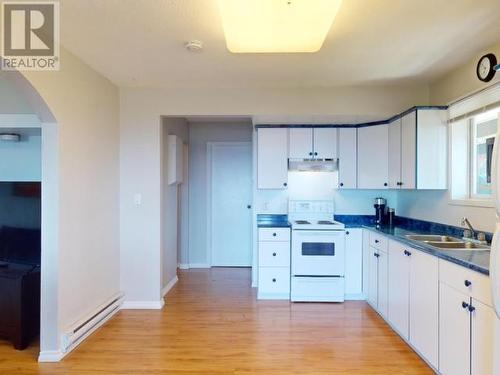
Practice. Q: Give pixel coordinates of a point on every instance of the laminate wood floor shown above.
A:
(213, 324)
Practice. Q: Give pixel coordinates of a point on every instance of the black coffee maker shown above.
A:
(380, 205)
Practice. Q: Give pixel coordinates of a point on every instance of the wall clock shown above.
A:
(486, 67)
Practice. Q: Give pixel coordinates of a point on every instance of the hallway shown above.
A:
(213, 324)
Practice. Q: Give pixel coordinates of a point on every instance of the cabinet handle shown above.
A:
(471, 308)
(274, 280)
(385, 183)
(315, 154)
(377, 241)
(377, 255)
(310, 154)
(285, 184)
(405, 252)
(274, 234)
(465, 305)
(408, 253)
(347, 232)
(274, 254)
(341, 184)
(467, 283)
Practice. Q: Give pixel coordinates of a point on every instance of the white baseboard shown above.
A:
(355, 297)
(51, 356)
(183, 266)
(169, 286)
(199, 265)
(143, 305)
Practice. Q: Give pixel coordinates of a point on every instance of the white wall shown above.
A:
(140, 112)
(85, 106)
(11, 100)
(22, 161)
(199, 134)
(170, 204)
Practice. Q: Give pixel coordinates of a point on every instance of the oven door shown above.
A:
(318, 253)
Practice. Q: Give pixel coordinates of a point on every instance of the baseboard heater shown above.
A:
(84, 328)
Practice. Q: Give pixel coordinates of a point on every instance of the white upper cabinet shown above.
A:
(373, 151)
(432, 150)
(318, 143)
(418, 159)
(347, 154)
(325, 143)
(408, 151)
(301, 143)
(272, 158)
(394, 154)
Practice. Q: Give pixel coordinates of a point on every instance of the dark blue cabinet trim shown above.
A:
(361, 125)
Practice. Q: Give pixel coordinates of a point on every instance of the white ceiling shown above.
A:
(140, 43)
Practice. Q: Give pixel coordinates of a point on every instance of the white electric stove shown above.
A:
(318, 252)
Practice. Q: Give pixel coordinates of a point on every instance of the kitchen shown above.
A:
(318, 191)
(429, 281)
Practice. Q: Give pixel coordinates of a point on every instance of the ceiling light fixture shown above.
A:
(277, 26)
(194, 46)
(9, 137)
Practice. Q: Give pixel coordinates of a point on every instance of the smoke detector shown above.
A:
(194, 46)
(8, 137)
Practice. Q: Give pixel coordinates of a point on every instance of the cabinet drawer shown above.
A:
(378, 241)
(274, 254)
(469, 282)
(274, 234)
(274, 281)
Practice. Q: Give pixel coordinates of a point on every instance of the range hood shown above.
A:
(313, 165)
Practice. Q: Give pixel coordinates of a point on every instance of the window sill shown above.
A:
(489, 203)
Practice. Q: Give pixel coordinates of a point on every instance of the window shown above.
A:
(472, 140)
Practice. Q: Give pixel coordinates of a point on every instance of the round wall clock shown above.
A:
(485, 67)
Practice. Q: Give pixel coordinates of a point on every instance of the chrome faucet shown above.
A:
(466, 222)
(479, 237)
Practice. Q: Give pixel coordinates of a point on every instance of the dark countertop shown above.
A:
(272, 221)
(478, 261)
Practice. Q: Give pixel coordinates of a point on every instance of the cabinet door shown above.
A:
(353, 262)
(399, 288)
(373, 151)
(432, 140)
(272, 161)
(367, 255)
(483, 321)
(383, 299)
(408, 150)
(424, 305)
(347, 150)
(394, 154)
(325, 143)
(301, 143)
(373, 279)
(454, 332)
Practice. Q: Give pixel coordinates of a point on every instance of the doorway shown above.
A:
(230, 203)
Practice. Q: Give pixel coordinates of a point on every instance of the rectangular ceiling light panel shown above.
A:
(277, 26)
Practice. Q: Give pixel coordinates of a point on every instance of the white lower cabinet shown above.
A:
(424, 305)
(377, 284)
(353, 263)
(399, 289)
(454, 329)
(466, 322)
(274, 263)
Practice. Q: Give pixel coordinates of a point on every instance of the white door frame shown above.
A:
(210, 147)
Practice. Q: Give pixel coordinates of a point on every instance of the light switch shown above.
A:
(137, 199)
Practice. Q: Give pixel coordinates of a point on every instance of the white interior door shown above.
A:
(231, 199)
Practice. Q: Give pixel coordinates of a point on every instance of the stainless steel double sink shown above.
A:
(447, 242)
